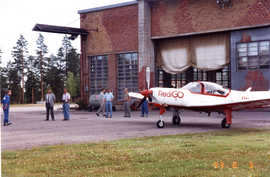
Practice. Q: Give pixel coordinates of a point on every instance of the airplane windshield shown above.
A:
(193, 87)
(206, 88)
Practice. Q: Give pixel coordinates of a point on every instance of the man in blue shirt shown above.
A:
(5, 103)
(108, 97)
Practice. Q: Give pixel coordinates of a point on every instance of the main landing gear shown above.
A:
(224, 124)
(176, 120)
(227, 121)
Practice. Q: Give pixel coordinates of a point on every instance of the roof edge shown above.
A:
(107, 7)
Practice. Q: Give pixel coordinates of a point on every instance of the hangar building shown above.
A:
(223, 41)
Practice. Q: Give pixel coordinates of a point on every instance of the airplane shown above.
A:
(203, 97)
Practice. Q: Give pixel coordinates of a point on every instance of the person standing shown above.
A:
(108, 97)
(50, 99)
(6, 103)
(144, 109)
(66, 106)
(126, 103)
(101, 103)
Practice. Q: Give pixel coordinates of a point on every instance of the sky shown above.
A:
(20, 16)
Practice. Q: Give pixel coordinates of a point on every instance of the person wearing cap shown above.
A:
(6, 103)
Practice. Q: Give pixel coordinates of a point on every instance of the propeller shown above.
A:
(146, 93)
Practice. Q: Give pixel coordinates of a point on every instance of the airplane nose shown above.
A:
(146, 93)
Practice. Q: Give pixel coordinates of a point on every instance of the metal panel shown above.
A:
(256, 77)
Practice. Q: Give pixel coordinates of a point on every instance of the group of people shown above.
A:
(105, 102)
(49, 102)
(105, 109)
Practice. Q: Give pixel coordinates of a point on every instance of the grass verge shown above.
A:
(239, 153)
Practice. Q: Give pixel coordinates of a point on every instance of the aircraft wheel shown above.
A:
(176, 120)
(224, 124)
(160, 124)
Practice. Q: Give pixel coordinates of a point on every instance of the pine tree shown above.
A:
(42, 50)
(71, 84)
(73, 66)
(32, 87)
(19, 55)
(13, 80)
(66, 45)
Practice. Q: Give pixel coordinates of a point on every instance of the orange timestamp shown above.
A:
(233, 165)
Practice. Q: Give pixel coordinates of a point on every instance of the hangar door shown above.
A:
(187, 59)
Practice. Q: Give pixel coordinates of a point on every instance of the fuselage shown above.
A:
(230, 98)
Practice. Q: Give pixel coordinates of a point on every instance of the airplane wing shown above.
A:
(233, 106)
(136, 95)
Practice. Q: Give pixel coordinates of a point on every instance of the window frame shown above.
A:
(98, 73)
(127, 73)
(221, 77)
(250, 57)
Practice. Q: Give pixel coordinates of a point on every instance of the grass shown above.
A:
(212, 154)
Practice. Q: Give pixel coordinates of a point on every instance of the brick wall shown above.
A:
(174, 17)
(111, 31)
(117, 30)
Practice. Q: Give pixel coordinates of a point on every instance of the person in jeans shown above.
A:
(101, 103)
(66, 106)
(5, 103)
(108, 98)
(144, 108)
(126, 103)
(50, 99)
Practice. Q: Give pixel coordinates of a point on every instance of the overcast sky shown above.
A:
(19, 17)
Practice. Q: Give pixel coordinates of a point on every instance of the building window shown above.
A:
(221, 77)
(253, 55)
(127, 76)
(98, 73)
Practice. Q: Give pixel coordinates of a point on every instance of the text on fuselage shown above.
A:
(174, 94)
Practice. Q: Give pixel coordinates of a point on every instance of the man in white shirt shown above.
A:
(66, 107)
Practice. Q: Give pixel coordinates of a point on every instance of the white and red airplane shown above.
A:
(204, 97)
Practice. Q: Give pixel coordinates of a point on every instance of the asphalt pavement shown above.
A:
(30, 130)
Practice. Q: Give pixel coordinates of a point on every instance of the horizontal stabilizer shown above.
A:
(249, 89)
(135, 95)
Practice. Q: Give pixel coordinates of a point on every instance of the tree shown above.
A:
(73, 62)
(42, 50)
(32, 86)
(13, 80)
(72, 85)
(66, 45)
(19, 54)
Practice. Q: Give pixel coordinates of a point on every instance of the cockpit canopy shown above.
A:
(206, 88)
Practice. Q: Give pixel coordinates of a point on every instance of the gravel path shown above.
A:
(30, 130)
